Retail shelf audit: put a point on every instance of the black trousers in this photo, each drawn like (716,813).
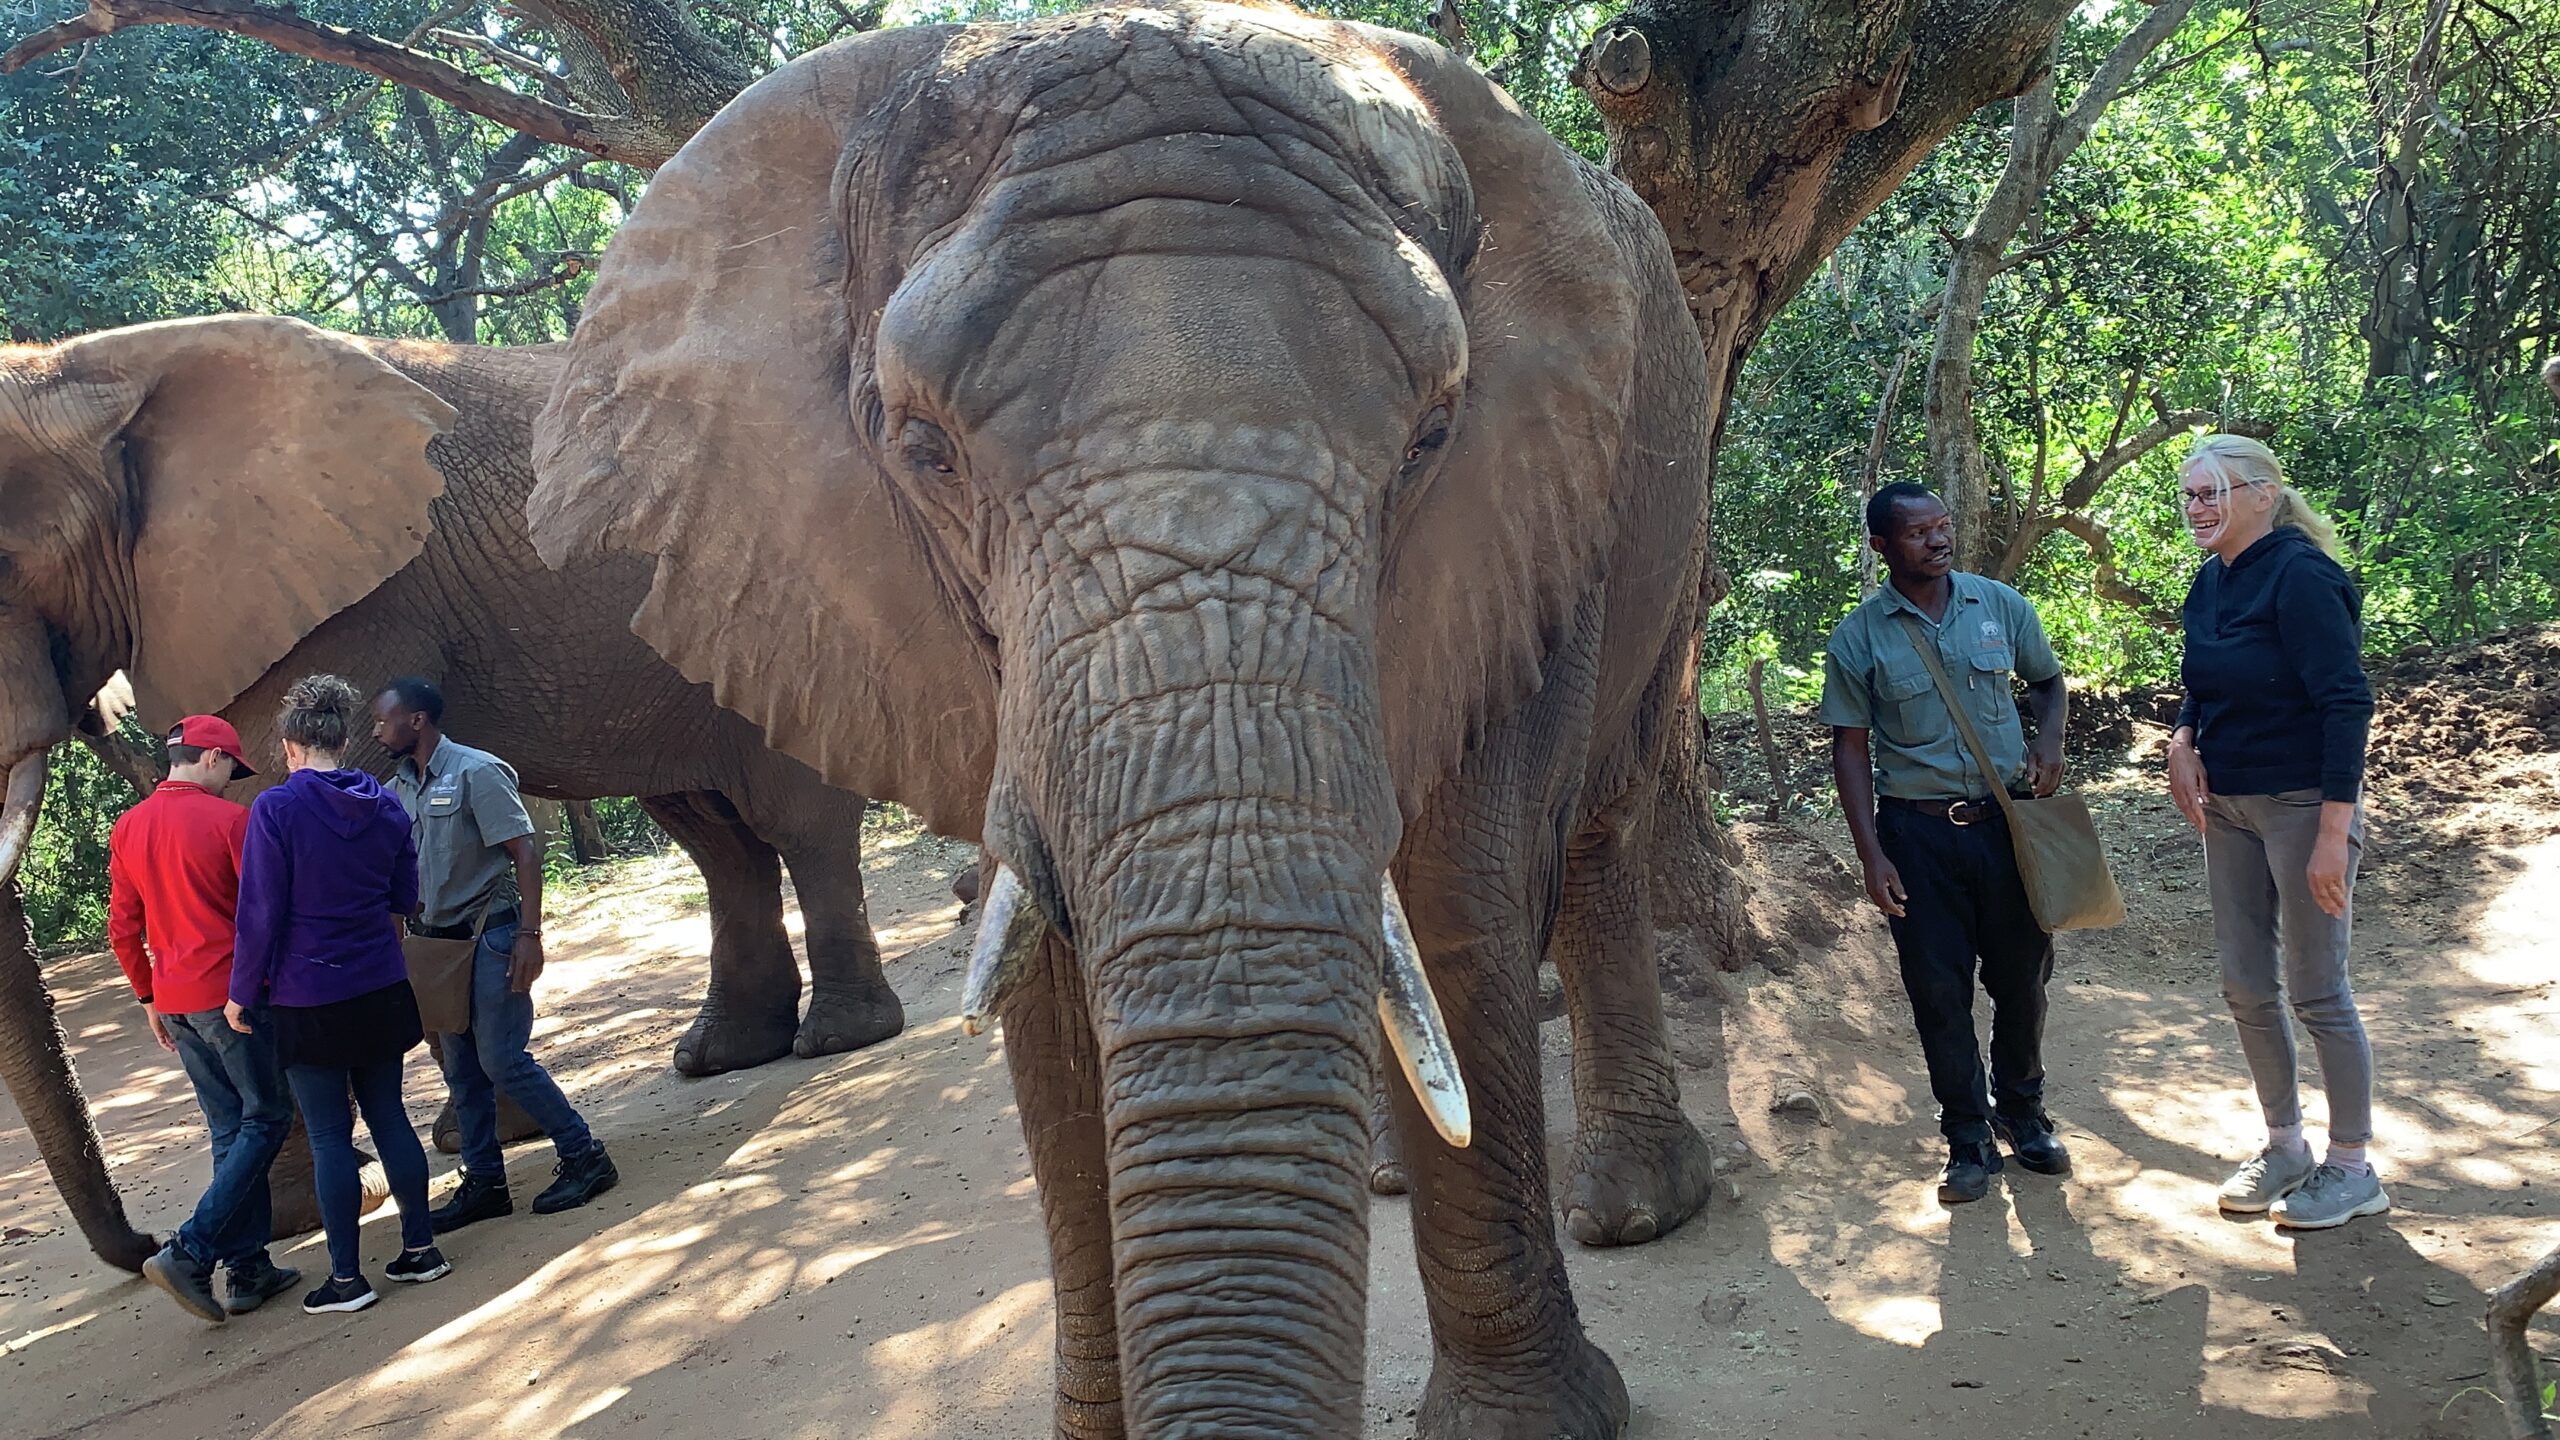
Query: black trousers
(1967,910)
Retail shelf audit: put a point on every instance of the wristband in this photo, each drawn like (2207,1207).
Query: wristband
(534,931)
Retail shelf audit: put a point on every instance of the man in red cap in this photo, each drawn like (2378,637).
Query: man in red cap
(173,872)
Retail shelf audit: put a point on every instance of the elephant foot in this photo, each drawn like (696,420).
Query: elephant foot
(1386,1159)
(840,1022)
(1627,1185)
(1387,1177)
(717,1044)
(1579,1396)
(513,1125)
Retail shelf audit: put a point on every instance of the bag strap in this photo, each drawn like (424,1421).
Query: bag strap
(1964,722)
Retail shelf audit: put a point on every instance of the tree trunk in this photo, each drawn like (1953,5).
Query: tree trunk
(586,832)
(1761,133)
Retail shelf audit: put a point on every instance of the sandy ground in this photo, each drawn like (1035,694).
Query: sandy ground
(851,1247)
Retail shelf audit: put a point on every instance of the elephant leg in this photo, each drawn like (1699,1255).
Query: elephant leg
(513,1123)
(752,1009)
(850,1002)
(36,1066)
(1049,1047)
(294,1198)
(1639,1167)
(1480,872)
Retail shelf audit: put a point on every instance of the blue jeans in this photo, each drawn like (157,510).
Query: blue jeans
(241,1090)
(494,1055)
(321,1091)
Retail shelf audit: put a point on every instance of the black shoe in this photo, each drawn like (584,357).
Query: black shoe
(2032,1140)
(1970,1167)
(340,1297)
(417,1267)
(482,1197)
(188,1282)
(246,1287)
(577,1182)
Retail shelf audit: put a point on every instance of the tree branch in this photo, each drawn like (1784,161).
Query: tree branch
(2511,1311)
(2109,585)
(631,140)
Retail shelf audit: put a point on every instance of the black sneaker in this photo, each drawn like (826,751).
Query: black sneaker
(1970,1166)
(246,1287)
(188,1282)
(577,1182)
(340,1297)
(2032,1140)
(481,1197)
(417,1267)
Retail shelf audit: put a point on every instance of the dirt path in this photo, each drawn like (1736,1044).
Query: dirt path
(850,1246)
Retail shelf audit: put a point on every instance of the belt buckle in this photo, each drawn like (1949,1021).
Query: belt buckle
(1961,812)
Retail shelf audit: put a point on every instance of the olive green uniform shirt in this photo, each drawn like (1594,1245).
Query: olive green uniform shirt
(464,808)
(1874,680)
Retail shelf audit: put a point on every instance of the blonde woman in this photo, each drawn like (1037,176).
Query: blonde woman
(2268,762)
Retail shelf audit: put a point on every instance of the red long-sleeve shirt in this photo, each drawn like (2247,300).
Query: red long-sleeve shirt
(173,883)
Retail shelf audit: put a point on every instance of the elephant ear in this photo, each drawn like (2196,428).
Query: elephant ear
(704,417)
(273,474)
(1515,531)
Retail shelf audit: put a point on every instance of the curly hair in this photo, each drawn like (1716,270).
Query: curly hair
(320,713)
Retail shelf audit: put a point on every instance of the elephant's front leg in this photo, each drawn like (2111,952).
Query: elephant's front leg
(1479,870)
(1639,1168)
(1048,1046)
(850,1002)
(752,1009)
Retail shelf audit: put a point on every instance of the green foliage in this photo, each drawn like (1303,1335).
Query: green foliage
(65,874)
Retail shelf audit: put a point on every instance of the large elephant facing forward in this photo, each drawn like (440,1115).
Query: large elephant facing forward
(1305,454)
(220,506)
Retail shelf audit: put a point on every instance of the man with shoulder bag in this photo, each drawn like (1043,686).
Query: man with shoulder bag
(1931,764)
(474,950)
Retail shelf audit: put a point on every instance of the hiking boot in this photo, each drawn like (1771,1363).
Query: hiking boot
(480,1197)
(2032,1140)
(417,1267)
(247,1286)
(2263,1179)
(1970,1166)
(578,1181)
(2330,1198)
(340,1297)
(188,1281)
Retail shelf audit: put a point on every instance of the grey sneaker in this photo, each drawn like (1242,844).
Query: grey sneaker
(2330,1198)
(188,1283)
(2268,1177)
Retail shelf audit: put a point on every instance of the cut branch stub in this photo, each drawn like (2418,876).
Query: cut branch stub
(1620,60)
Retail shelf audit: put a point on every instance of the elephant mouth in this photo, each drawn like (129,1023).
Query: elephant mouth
(1012,929)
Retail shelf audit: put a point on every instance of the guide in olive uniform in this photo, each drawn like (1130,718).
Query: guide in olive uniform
(480,873)
(1929,829)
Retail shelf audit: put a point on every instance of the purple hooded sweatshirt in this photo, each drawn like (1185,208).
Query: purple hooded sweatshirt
(328,862)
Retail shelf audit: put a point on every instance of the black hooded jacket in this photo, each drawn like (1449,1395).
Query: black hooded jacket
(2274,671)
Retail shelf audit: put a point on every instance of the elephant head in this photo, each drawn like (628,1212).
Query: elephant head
(1147,441)
(183,502)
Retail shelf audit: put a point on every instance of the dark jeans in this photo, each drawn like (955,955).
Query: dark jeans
(241,1090)
(321,1091)
(1967,910)
(494,1055)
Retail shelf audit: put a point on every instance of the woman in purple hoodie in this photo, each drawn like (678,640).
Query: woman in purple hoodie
(327,865)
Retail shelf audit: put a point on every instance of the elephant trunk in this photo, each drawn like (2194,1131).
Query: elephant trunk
(36,1066)
(1215,816)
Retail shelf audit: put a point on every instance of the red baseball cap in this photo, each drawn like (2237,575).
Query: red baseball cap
(211,732)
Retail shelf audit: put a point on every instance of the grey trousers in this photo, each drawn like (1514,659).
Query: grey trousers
(2278,945)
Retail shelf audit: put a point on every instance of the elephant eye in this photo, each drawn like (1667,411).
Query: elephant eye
(927,448)
(1430,435)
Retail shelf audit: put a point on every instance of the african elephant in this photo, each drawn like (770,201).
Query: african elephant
(219,506)
(1303,454)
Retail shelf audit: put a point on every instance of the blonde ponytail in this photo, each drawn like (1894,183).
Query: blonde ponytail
(2237,460)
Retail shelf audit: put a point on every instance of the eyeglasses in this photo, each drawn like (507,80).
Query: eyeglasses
(2210,499)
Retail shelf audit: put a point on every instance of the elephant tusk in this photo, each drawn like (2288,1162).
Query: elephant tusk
(1010,930)
(1416,1031)
(18,817)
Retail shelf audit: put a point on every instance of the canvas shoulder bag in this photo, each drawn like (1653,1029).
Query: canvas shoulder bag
(2068,884)
(440,973)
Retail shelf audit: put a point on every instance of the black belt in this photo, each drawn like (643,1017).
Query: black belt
(495,919)
(1954,812)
